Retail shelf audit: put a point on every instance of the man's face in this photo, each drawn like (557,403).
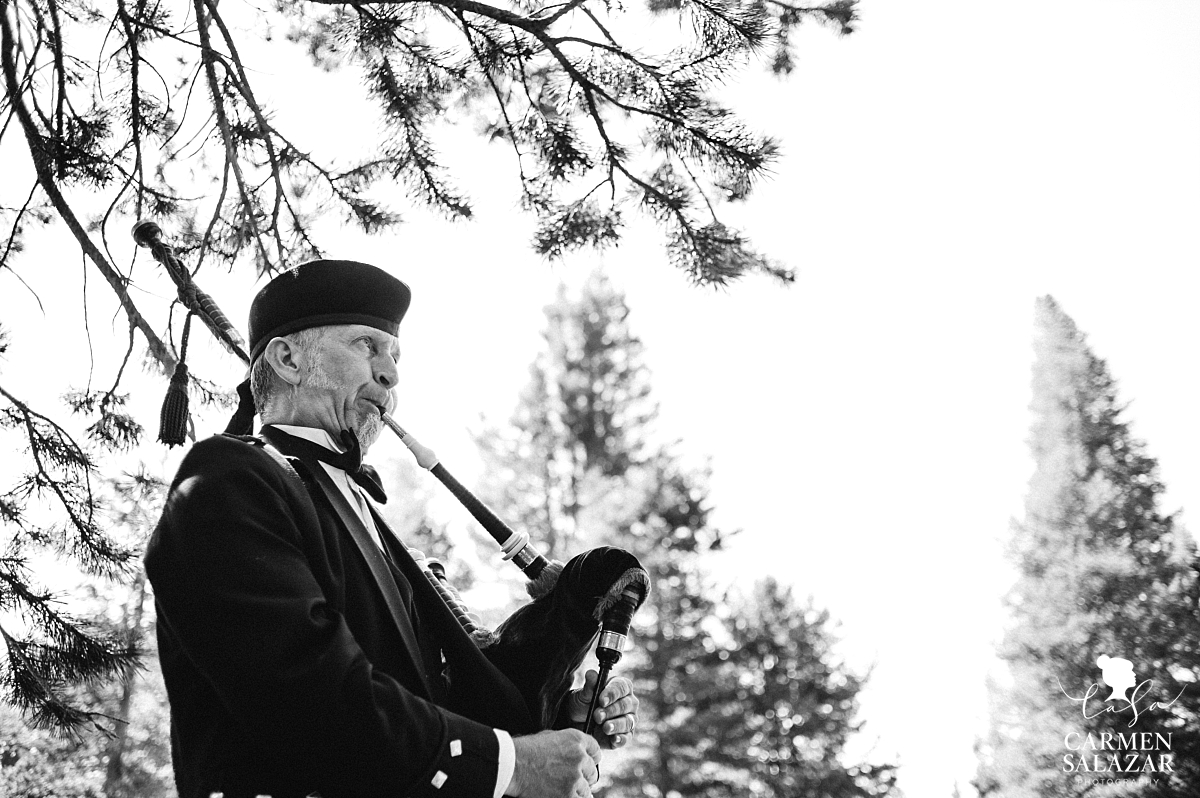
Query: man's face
(350,375)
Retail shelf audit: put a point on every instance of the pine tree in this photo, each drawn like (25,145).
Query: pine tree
(670,531)
(136,756)
(133,758)
(121,116)
(578,465)
(791,710)
(45,646)
(1101,571)
(579,426)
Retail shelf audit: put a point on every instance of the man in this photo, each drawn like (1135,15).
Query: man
(303,650)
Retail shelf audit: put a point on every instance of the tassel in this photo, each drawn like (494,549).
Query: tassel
(173,418)
(172,421)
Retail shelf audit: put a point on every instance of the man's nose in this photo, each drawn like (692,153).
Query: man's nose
(386,373)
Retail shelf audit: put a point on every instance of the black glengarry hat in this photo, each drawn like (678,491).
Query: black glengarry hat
(323,292)
(316,294)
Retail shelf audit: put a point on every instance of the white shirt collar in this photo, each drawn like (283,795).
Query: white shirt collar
(314,434)
(353,495)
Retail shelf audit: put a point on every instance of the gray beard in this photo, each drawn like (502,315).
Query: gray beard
(368,431)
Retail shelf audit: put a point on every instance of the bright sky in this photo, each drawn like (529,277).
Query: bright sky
(943,167)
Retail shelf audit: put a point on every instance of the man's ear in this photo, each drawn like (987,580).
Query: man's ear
(285,358)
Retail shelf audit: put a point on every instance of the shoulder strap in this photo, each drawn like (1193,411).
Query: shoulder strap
(285,462)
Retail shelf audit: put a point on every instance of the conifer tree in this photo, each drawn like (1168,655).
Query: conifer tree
(45,646)
(1102,571)
(133,757)
(580,424)
(578,466)
(136,100)
(776,694)
(670,531)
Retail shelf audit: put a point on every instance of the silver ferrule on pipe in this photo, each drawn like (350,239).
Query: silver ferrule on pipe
(524,557)
(614,641)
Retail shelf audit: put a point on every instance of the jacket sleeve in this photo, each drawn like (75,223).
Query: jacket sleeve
(247,613)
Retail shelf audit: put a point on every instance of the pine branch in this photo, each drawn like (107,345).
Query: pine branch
(56,44)
(13,243)
(710,137)
(566,8)
(842,14)
(135,127)
(41,162)
(243,86)
(34,676)
(247,204)
(501,104)
(470,6)
(51,446)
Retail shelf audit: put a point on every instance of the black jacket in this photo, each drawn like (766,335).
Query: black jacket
(298,658)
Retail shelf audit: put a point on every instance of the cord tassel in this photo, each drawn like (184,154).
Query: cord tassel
(173,418)
(172,421)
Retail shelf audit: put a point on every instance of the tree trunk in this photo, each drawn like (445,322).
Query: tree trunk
(115,770)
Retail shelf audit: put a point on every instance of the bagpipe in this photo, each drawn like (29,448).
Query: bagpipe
(594,595)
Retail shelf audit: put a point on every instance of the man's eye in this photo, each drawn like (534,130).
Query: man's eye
(371,346)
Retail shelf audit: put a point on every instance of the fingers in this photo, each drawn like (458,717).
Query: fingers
(616,700)
(626,706)
(617,696)
(590,767)
(623,724)
(555,764)
(615,717)
(591,748)
(589,687)
(581,699)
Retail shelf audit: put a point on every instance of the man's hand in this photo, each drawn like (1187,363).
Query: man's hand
(616,713)
(555,764)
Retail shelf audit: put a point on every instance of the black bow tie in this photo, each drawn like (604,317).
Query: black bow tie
(349,461)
